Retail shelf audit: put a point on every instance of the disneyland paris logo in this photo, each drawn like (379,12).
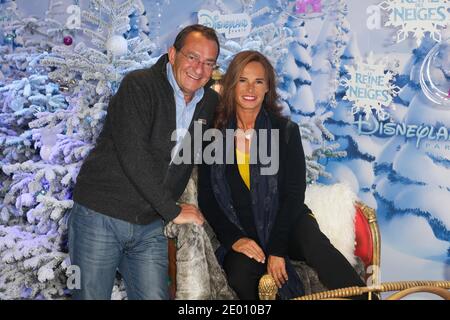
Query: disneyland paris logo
(231,25)
(409,131)
(411,16)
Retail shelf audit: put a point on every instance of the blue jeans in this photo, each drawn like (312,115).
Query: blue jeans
(100,245)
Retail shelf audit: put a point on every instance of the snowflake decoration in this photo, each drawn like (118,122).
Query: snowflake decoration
(370,87)
(417,17)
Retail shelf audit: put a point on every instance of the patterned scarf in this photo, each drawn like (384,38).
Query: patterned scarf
(264,199)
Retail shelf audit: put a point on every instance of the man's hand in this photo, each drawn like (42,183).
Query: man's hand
(189,214)
(250,248)
(276,267)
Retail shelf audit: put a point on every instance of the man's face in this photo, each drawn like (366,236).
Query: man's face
(193,64)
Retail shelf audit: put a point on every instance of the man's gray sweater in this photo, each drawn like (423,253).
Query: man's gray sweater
(127,175)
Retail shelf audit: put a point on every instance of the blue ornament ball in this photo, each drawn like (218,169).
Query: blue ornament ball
(9,39)
(45,184)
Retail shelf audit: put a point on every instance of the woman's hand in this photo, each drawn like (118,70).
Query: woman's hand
(250,248)
(276,267)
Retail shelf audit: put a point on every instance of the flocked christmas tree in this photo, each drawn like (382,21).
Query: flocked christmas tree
(27,38)
(413,176)
(27,249)
(33,249)
(25,88)
(24,91)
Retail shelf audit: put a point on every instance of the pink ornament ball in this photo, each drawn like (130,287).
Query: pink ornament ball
(68,40)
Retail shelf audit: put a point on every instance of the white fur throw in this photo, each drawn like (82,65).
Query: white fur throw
(199,275)
(334,209)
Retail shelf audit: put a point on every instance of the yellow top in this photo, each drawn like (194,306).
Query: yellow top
(243,162)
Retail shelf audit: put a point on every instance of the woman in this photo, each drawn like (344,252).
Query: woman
(261,220)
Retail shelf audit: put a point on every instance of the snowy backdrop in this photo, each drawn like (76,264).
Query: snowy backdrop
(371,100)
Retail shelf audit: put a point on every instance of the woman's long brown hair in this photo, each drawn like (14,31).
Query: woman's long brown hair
(226,109)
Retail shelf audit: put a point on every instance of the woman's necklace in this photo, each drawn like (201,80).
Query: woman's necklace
(247,135)
(247,132)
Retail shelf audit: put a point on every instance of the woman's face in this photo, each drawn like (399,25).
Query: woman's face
(251,87)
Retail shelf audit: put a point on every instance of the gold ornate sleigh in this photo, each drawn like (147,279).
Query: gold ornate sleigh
(268,289)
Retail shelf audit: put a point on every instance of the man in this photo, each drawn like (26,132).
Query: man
(127,188)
